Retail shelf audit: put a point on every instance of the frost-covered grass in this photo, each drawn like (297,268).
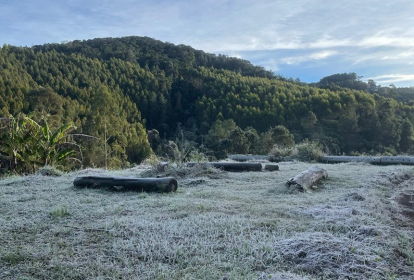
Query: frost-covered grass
(236,226)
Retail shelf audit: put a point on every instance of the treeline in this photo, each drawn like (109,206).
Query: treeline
(353,81)
(117,89)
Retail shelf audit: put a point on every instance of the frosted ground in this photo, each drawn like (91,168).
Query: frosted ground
(231,226)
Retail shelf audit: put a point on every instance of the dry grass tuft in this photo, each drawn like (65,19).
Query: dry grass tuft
(49,171)
(329,257)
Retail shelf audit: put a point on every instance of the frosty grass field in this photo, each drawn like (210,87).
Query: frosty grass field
(226,226)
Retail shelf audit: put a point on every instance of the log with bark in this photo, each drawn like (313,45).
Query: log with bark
(167,184)
(384,160)
(308,179)
(271,167)
(232,166)
(344,159)
(248,157)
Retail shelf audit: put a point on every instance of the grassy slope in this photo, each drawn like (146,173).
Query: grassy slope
(242,226)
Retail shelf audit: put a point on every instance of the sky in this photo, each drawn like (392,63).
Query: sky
(305,39)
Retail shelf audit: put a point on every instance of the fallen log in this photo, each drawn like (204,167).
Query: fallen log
(167,184)
(307,180)
(406,160)
(248,157)
(232,166)
(271,167)
(344,159)
(384,160)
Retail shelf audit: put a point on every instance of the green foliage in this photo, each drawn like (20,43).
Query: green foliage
(253,139)
(346,80)
(282,136)
(197,156)
(278,135)
(52,147)
(279,153)
(152,160)
(217,138)
(26,145)
(59,212)
(239,143)
(309,151)
(115,89)
(18,143)
(407,136)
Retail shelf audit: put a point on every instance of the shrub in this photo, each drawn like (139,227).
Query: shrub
(152,160)
(282,152)
(305,151)
(197,156)
(309,151)
(49,171)
(27,145)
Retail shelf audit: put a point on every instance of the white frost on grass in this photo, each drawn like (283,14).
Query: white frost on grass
(237,226)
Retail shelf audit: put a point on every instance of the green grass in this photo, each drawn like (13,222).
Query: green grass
(14,258)
(59,212)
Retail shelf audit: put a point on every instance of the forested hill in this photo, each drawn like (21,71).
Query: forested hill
(134,84)
(152,53)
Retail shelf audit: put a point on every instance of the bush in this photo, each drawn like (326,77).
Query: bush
(197,156)
(152,160)
(281,151)
(306,151)
(309,151)
(279,135)
(49,171)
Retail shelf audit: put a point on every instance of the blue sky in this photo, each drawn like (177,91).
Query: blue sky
(306,39)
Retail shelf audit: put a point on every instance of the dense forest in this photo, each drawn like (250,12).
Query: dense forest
(119,91)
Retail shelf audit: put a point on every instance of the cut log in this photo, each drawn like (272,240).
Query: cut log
(307,180)
(407,160)
(271,167)
(344,159)
(248,157)
(385,160)
(167,184)
(232,166)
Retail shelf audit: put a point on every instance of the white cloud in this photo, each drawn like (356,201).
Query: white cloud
(270,64)
(402,55)
(393,78)
(403,42)
(312,56)
(237,55)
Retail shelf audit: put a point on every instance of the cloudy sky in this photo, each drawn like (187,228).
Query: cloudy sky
(306,39)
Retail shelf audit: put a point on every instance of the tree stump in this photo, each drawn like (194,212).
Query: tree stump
(307,180)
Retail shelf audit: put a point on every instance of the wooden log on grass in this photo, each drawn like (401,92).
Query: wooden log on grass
(271,167)
(248,157)
(345,159)
(232,166)
(308,179)
(167,184)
